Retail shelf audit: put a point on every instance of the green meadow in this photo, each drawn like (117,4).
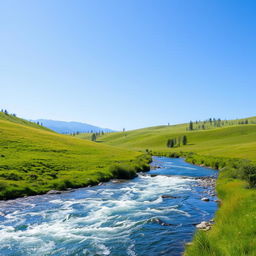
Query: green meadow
(232,150)
(228,141)
(34,160)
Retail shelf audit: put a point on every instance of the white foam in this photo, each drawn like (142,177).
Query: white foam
(107,215)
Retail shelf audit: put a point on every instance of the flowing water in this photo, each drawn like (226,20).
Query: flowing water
(153,214)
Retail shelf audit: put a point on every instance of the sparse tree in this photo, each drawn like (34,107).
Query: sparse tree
(170,143)
(184,140)
(94,137)
(191,128)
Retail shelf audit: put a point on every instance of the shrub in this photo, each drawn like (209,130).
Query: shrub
(249,173)
(123,171)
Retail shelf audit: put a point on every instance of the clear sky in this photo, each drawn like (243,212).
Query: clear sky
(131,64)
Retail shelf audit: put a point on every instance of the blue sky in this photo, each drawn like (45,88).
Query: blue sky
(127,63)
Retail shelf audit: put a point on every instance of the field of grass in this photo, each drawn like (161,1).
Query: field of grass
(232,150)
(34,160)
(231,141)
(234,231)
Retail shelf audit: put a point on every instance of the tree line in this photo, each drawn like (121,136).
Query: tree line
(7,113)
(215,122)
(177,142)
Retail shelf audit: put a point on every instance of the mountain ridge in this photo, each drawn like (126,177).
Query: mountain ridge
(67,127)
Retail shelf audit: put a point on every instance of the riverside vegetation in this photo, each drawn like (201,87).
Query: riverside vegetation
(230,148)
(34,160)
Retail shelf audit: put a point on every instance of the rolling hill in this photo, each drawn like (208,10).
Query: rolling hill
(34,160)
(231,148)
(237,140)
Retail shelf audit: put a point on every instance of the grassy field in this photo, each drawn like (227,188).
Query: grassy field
(232,150)
(34,160)
(231,141)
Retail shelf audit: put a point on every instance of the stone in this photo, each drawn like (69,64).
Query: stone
(204,226)
(168,196)
(205,199)
(53,192)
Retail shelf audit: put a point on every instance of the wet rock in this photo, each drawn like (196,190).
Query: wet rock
(118,181)
(169,196)
(160,222)
(153,167)
(53,192)
(204,225)
(206,199)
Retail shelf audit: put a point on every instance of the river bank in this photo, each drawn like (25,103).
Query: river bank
(162,206)
(233,232)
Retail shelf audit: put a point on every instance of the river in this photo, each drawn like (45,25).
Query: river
(153,214)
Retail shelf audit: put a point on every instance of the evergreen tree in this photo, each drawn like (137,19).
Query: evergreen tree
(191,128)
(170,143)
(94,137)
(184,140)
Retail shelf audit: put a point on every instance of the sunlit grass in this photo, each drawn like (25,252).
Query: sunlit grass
(34,160)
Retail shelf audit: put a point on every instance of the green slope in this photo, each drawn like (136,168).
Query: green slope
(17,120)
(34,160)
(231,141)
(227,148)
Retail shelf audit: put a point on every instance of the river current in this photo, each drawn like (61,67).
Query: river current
(153,214)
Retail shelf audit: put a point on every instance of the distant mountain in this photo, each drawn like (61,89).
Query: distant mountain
(70,127)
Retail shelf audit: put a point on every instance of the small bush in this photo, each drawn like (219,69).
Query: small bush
(249,174)
(123,171)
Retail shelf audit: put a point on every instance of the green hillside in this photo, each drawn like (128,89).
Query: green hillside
(34,159)
(231,148)
(229,141)
(13,118)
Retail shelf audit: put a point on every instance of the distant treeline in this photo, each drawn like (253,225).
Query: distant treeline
(7,113)
(94,134)
(177,142)
(216,122)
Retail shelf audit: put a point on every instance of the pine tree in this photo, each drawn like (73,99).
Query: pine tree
(170,143)
(191,128)
(184,140)
(94,137)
